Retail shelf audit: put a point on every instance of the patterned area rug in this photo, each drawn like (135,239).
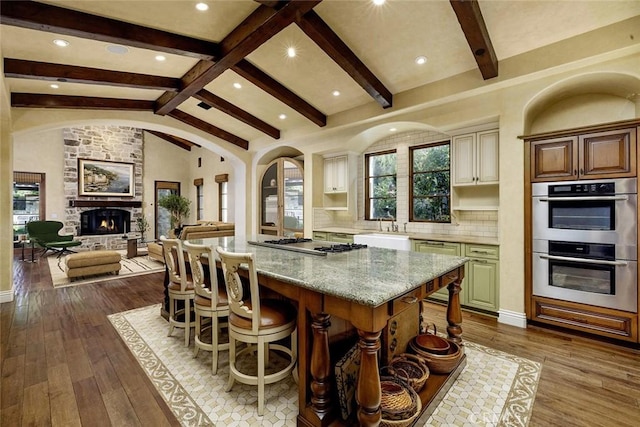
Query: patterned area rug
(129,267)
(495,388)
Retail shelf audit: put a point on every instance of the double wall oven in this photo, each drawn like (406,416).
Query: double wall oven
(585,242)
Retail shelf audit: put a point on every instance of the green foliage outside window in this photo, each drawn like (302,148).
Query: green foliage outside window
(381,181)
(431,183)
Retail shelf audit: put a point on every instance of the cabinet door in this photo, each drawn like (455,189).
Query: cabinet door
(604,154)
(482,284)
(340,237)
(487,147)
(329,175)
(341,174)
(554,160)
(463,159)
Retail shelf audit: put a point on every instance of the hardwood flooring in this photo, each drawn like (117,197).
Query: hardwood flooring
(63,364)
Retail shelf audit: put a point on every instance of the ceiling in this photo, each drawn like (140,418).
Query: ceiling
(364,51)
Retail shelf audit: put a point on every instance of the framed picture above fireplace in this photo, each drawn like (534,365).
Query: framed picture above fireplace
(105,178)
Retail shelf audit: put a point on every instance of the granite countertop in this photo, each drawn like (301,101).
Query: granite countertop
(371,276)
(455,238)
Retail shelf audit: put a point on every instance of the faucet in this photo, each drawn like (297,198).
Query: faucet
(394,225)
(380,224)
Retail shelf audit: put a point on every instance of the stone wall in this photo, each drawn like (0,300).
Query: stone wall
(109,143)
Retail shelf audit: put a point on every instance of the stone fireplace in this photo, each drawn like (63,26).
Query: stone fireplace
(104,221)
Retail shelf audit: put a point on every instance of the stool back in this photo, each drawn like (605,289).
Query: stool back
(204,274)
(174,260)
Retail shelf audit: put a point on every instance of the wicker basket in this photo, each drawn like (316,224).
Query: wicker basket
(411,368)
(400,404)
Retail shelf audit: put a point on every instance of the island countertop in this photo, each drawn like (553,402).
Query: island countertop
(370,277)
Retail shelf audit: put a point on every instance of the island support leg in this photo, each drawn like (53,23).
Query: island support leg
(368,390)
(320,365)
(454,313)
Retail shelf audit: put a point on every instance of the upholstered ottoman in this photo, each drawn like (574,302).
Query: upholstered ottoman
(92,262)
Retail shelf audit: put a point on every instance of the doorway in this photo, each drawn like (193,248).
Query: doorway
(162,215)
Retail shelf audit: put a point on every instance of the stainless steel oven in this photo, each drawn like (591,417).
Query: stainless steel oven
(587,273)
(585,237)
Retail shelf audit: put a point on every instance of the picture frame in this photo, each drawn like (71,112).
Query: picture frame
(105,178)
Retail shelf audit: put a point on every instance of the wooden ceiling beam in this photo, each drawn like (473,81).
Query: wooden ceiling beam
(236,112)
(44,17)
(209,128)
(318,31)
(175,140)
(265,82)
(475,31)
(36,100)
(21,69)
(255,30)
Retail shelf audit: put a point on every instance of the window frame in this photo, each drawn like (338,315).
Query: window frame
(367,196)
(199,184)
(223,196)
(412,174)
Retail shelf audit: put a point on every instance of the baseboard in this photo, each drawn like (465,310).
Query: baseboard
(6,296)
(512,318)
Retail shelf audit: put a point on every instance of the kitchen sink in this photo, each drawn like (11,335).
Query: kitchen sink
(381,240)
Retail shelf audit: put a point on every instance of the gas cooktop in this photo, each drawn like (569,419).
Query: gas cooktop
(307,246)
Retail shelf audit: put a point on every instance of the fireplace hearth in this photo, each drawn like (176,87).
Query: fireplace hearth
(104,221)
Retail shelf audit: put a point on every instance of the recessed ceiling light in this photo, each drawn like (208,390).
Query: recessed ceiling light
(202,7)
(393,130)
(204,105)
(117,49)
(61,43)
(378,2)
(54,86)
(421,60)
(291,52)
(237,85)
(160,58)
(282,116)
(336,93)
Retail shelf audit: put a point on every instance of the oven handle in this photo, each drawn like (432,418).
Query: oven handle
(583,198)
(583,260)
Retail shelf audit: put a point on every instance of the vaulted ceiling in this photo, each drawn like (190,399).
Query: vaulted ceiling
(364,51)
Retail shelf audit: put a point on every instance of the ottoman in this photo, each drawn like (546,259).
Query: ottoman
(92,262)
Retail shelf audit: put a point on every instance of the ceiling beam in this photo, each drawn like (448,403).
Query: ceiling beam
(21,69)
(236,112)
(44,17)
(475,31)
(36,100)
(255,30)
(265,82)
(318,31)
(175,140)
(209,128)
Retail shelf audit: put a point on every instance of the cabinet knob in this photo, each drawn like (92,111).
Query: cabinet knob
(581,171)
(575,172)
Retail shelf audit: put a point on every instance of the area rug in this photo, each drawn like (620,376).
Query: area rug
(129,267)
(494,389)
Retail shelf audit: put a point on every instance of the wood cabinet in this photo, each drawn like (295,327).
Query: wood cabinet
(475,158)
(282,198)
(480,287)
(605,154)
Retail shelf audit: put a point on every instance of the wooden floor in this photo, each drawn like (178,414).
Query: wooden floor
(63,364)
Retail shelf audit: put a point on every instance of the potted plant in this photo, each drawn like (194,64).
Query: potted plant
(143,226)
(179,208)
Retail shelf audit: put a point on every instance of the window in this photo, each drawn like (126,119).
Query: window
(380,185)
(223,211)
(163,217)
(430,183)
(199,198)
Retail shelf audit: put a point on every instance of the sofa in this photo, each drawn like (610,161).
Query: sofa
(202,230)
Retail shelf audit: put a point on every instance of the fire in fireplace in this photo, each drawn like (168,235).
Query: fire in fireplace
(104,221)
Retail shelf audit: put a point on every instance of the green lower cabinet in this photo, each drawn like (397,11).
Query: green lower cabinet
(340,237)
(319,235)
(481,282)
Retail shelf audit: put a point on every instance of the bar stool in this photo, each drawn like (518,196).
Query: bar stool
(180,286)
(209,302)
(256,322)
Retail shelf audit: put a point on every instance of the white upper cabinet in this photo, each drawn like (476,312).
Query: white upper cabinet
(336,174)
(475,158)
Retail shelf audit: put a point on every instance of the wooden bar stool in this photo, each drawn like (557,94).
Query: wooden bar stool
(210,302)
(259,323)
(180,286)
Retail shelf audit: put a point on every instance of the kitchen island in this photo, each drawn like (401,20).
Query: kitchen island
(367,287)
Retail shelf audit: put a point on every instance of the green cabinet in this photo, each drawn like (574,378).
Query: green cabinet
(333,237)
(481,283)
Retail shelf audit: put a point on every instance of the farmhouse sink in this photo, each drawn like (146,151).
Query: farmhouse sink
(380,240)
